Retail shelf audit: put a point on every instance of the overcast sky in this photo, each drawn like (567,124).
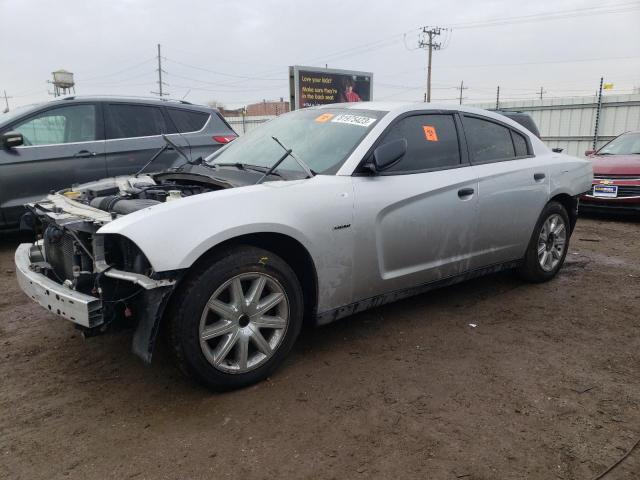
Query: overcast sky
(237,52)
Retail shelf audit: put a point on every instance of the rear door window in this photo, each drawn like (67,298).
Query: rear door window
(129,121)
(432,142)
(188,120)
(69,124)
(488,141)
(520,143)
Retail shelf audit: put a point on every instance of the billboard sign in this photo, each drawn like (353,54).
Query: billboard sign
(310,86)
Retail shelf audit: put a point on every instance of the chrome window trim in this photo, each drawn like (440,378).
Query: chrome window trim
(59,144)
(93,141)
(134,138)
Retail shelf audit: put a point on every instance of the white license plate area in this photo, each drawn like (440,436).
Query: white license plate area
(607,191)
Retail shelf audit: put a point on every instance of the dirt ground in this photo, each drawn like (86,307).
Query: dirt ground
(546,386)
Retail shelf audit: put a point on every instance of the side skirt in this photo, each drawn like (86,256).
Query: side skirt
(372,302)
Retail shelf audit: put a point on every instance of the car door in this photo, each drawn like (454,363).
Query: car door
(63,145)
(415,222)
(513,188)
(133,133)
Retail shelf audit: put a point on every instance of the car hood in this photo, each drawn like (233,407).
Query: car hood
(97,201)
(616,164)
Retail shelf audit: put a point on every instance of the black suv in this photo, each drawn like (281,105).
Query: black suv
(78,139)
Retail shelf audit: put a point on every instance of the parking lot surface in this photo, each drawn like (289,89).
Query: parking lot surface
(545,385)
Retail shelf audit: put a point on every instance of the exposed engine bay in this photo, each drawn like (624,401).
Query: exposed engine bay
(69,251)
(124,195)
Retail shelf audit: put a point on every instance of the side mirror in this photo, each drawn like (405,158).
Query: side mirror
(589,153)
(386,155)
(11,139)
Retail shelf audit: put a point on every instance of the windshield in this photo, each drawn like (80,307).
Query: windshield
(625,144)
(321,138)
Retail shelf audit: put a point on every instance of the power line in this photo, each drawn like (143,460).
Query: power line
(215,72)
(560,14)
(126,79)
(133,67)
(215,84)
(395,38)
(217,90)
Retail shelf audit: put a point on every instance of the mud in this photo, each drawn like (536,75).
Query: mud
(545,386)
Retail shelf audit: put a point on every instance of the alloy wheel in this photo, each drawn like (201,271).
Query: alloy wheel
(552,242)
(244,322)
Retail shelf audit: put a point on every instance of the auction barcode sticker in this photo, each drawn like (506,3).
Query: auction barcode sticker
(359,120)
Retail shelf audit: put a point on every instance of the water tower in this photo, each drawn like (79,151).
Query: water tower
(62,83)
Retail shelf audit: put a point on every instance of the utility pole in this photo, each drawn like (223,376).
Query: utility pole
(498,98)
(426,41)
(160,72)
(461,88)
(6,101)
(542,90)
(598,112)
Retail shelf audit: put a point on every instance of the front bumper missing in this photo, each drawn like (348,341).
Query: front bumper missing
(76,307)
(88,311)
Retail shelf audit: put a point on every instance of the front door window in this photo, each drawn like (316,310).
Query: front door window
(75,123)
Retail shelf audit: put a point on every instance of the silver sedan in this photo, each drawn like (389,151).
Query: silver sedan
(318,214)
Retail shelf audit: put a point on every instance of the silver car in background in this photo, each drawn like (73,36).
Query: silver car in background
(318,214)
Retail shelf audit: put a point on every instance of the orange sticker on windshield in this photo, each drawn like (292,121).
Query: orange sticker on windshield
(325,117)
(430,133)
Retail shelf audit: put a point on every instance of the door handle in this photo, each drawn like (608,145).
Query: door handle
(465,192)
(85,154)
(538,176)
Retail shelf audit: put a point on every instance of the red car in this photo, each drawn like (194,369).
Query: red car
(616,175)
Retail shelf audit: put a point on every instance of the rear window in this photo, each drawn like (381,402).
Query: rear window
(127,121)
(520,143)
(188,120)
(488,141)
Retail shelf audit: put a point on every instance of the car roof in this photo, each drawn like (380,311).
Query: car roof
(398,108)
(125,99)
(30,109)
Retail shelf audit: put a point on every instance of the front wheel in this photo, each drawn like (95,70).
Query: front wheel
(235,319)
(548,245)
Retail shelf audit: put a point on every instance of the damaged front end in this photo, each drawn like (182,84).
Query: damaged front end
(100,282)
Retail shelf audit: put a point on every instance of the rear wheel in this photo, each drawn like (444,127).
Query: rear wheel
(236,319)
(548,245)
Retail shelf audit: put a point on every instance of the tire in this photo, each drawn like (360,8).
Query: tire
(235,318)
(541,266)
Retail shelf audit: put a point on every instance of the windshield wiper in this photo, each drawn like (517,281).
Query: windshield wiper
(246,166)
(168,145)
(287,153)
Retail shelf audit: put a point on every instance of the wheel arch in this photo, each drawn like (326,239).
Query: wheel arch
(286,247)
(570,203)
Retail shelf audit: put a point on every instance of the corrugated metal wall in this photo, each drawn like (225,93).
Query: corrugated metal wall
(569,123)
